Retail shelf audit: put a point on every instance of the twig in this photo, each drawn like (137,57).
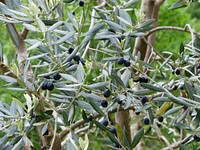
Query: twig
(54,133)
(169,28)
(157,53)
(176,145)
(163,138)
(24,33)
(82,130)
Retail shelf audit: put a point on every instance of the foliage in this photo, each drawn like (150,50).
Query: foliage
(77,65)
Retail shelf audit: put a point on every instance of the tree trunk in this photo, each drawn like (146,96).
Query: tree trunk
(151,10)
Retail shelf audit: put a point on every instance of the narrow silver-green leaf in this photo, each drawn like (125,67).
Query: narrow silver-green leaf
(64,38)
(13,34)
(42,5)
(97,85)
(173,110)
(114,25)
(130,3)
(37,56)
(124,21)
(56,25)
(71,113)
(80,73)
(69,77)
(41,25)
(94,29)
(36,45)
(97,108)
(106,36)
(127,141)
(182,117)
(152,87)
(190,90)
(179,4)
(8,79)
(19,103)
(30,27)
(17,89)
(68,89)
(99,125)
(91,96)
(137,137)
(143,92)
(73,20)
(146,23)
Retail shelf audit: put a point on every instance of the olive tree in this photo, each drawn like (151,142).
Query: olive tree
(88,71)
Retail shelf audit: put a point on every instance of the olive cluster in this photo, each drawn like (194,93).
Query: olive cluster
(122,61)
(48,85)
(77,58)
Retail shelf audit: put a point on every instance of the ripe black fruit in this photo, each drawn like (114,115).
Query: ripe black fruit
(70,50)
(111,30)
(120,38)
(198,66)
(107,93)
(90,117)
(175,87)
(77,58)
(56,76)
(137,113)
(127,63)
(104,122)
(113,130)
(81,3)
(196,138)
(146,121)
(177,72)
(73,13)
(47,77)
(44,85)
(144,80)
(185,107)
(119,101)
(50,86)
(104,103)
(160,118)
(181,87)
(120,61)
(144,99)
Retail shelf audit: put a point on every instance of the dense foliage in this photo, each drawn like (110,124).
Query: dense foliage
(79,71)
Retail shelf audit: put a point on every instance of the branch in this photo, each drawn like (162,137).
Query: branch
(163,138)
(169,28)
(81,122)
(176,145)
(24,33)
(152,37)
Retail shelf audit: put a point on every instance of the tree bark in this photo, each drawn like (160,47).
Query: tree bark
(140,45)
(151,10)
(152,37)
